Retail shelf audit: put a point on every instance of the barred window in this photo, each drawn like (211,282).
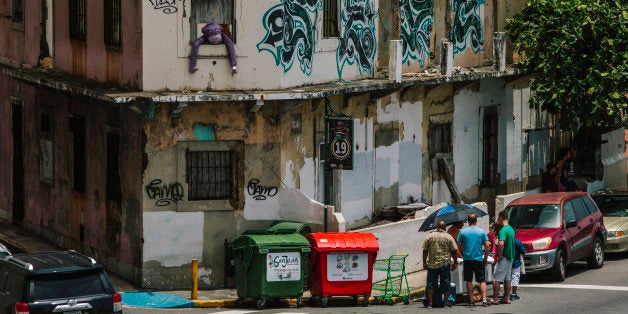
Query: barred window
(113,23)
(78,20)
(209,174)
(330,18)
(17,11)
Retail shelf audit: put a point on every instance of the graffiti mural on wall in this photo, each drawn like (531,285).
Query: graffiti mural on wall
(260,192)
(165,194)
(416,27)
(167,6)
(290,28)
(358,41)
(467,28)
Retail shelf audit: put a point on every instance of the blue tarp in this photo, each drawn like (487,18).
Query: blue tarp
(155,300)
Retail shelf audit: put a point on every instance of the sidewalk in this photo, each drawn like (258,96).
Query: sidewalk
(22,240)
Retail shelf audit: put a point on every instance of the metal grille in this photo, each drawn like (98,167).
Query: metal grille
(17,11)
(78,22)
(209,174)
(489,162)
(330,18)
(439,139)
(113,17)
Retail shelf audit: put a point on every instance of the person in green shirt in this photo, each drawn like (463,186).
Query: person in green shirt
(503,261)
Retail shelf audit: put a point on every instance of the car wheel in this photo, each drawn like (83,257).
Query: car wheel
(596,259)
(559,271)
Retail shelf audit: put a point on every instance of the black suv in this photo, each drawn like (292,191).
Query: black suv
(56,282)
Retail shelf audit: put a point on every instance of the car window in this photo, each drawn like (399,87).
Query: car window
(579,208)
(569,213)
(592,208)
(534,216)
(68,285)
(16,286)
(612,205)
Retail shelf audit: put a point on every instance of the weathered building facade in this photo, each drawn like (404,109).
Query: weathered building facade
(118,150)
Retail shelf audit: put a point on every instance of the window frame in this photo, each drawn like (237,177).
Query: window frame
(17,9)
(112,23)
(490,147)
(46,145)
(195,27)
(77,27)
(236,200)
(331,26)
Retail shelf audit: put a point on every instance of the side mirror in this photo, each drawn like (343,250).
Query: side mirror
(571,224)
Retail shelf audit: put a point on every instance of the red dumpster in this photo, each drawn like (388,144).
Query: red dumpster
(341,264)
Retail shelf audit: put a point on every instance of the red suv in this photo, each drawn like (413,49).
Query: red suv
(558,229)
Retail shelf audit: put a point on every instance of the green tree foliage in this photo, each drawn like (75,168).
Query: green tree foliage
(577,51)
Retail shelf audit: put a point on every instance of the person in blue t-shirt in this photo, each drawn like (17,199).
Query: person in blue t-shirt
(475,246)
(520,250)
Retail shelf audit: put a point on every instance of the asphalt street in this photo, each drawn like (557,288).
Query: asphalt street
(584,291)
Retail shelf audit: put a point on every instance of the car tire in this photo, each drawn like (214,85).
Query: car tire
(596,259)
(559,271)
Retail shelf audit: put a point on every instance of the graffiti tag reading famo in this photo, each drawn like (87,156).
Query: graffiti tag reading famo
(290,28)
(260,192)
(358,42)
(468,27)
(416,28)
(167,6)
(165,194)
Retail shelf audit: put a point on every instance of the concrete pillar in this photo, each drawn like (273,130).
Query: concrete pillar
(394,63)
(499,51)
(446,58)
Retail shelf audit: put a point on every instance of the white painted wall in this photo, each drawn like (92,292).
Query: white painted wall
(173,238)
(165,48)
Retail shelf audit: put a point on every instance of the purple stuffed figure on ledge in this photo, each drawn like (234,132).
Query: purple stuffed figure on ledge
(212,33)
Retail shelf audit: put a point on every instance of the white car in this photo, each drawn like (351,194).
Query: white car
(4,251)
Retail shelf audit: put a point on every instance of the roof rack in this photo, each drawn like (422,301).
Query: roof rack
(14,260)
(83,256)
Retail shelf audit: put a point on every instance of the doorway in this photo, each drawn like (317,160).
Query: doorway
(18,162)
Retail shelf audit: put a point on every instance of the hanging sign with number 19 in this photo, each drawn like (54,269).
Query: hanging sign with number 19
(340,142)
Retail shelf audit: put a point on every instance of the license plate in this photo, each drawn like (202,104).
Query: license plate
(73,312)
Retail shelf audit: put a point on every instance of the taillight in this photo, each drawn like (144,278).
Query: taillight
(21,308)
(117,302)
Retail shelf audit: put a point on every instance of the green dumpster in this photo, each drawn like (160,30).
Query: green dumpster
(270,264)
(297,227)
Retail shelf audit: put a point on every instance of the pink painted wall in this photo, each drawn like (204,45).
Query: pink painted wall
(95,51)
(17,44)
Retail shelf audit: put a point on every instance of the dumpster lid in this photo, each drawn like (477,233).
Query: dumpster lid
(271,240)
(334,241)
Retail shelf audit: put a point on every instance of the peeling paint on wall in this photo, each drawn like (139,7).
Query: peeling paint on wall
(204,132)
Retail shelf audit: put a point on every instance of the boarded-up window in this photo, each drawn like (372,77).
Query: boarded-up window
(46,144)
(17,11)
(113,22)
(77,162)
(78,20)
(205,11)
(114,192)
(489,151)
(439,139)
(330,18)
(209,174)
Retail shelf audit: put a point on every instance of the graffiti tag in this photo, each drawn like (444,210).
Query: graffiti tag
(358,42)
(416,28)
(468,26)
(164,194)
(290,28)
(260,192)
(167,6)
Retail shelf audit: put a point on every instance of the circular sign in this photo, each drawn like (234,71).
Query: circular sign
(340,148)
